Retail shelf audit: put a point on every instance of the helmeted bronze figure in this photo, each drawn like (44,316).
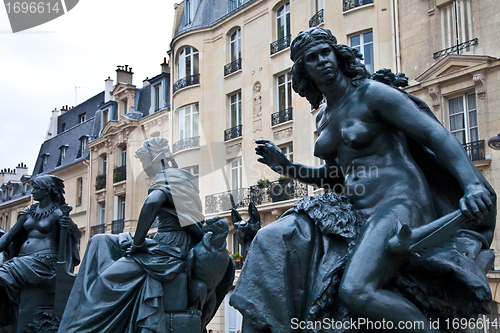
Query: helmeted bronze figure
(28,277)
(133,283)
(379,251)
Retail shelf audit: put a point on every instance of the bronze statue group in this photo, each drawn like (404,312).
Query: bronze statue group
(412,246)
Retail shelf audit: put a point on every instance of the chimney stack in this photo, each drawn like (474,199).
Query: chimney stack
(124,74)
(108,88)
(164,66)
(145,82)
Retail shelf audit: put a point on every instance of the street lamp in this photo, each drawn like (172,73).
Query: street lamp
(494,142)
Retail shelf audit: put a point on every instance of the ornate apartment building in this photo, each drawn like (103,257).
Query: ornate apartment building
(15,194)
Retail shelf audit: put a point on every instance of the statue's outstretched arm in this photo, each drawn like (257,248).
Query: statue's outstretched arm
(276,160)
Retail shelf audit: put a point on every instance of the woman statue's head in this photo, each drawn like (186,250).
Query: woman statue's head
(151,154)
(52,184)
(348,59)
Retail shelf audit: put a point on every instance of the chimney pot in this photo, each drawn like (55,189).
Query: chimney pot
(126,68)
(164,60)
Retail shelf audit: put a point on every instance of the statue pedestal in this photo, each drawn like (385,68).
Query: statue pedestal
(32,300)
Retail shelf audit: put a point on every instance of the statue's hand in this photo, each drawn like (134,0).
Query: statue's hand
(66,222)
(476,202)
(271,155)
(137,249)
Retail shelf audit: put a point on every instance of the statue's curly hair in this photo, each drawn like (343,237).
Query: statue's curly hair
(348,59)
(156,149)
(54,184)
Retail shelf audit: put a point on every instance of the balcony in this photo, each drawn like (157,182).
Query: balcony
(475,150)
(280,44)
(232,133)
(97,229)
(456,48)
(186,82)
(281,116)
(183,144)
(350,4)
(232,67)
(276,191)
(316,20)
(120,174)
(117,226)
(226,200)
(100,182)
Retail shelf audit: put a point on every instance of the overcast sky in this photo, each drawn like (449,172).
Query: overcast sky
(40,67)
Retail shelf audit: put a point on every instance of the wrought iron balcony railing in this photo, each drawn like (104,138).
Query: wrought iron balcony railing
(226,200)
(120,174)
(232,67)
(280,44)
(281,116)
(186,144)
(276,191)
(232,133)
(475,150)
(186,82)
(456,48)
(316,20)
(350,4)
(97,229)
(100,182)
(117,226)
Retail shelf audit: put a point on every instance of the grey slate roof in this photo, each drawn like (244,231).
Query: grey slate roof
(70,138)
(89,107)
(209,12)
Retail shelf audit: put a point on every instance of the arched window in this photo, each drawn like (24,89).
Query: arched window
(235,45)
(188,62)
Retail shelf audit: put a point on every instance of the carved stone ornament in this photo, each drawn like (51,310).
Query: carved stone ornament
(432,7)
(257,125)
(435,93)
(233,149)
(283,134)
(479,83)
(257,100)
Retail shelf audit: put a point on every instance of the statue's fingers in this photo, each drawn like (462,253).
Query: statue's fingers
(473,207)
(482,206)
(465,209)
(487,201)
(261,141)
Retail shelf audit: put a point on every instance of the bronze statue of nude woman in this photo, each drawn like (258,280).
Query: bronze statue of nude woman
(386,141)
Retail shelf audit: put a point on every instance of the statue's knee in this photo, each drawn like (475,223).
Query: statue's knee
(352,295)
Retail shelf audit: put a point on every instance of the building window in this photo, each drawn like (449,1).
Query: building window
(81,118)
(63,127)
(104,118)
(62,155)
(120,207)
(122,156)
(101,211)
(79,191)
(188,121)
(195,171)
(188,62)
(102,164)
(364,44)
(283,21)
(235,110)
(350,4)
(190,10)
(284,92)
(123,107)
(236,174)
(43,166)
(456,15)
(236,244)
(156,97)
(11,192)
(288,151)
(83,146)
(235,45)
(463,118)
